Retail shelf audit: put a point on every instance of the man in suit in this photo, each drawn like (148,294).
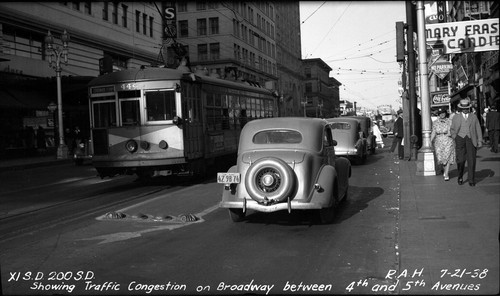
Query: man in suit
(493,126)
(398,135)
(466,131)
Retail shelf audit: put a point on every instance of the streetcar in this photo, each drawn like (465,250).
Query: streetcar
(161,121)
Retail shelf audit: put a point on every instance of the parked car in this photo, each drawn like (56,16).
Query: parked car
(350,142)
(366,125)
(286,164)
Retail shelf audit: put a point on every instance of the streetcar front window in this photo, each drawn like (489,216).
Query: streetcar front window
(104,114)
(160,105)
(130,112)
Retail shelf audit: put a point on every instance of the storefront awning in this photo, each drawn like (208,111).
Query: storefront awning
(461,92)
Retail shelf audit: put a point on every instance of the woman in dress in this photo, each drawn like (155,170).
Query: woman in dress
(378,135)
(444,145)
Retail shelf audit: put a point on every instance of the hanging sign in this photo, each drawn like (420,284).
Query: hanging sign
(440,99)
(460,37)
(441,68)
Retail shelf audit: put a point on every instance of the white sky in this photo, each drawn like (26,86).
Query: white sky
(357,39)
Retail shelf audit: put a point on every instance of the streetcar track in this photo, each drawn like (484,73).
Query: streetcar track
(64,182)
(18,231)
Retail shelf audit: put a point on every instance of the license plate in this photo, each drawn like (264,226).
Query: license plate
(228,178)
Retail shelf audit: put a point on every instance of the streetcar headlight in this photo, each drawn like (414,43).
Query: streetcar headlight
(131,146)
(163,144)
(145,145)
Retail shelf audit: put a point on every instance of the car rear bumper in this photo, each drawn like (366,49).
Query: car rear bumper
(253,205)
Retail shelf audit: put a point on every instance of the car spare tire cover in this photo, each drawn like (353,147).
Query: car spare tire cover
(269,178)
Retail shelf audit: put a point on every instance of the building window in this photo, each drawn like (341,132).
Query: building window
(182,6)
(124,16)
(214,51)
(76,5)
(214,25)
(137,21)
(183,29)
(212,5)
(308,87)
(250,15)
(144,23)
(202,52)
(88,8)
(201,25)
(307,72)
(151,22)
(22,43)
(105,11)
(201,5)
(114,14)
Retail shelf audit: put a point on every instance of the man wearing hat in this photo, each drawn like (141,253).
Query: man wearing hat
(466,131)
(398,135)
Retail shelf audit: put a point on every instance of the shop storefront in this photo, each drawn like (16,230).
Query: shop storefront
(27,120)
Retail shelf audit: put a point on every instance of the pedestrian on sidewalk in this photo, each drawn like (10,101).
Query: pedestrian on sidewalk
(444,146)
(378,135)
(493,128)
(398,135)
(466,131)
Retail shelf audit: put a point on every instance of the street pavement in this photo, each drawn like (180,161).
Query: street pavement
(448,234)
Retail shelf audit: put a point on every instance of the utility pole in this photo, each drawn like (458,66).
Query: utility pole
(425,157)
(414,116)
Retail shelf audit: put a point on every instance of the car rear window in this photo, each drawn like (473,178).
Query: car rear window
(340,125)
(277,137)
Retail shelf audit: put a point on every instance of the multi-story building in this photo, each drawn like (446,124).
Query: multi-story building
(237,39)
(321,92)
(126,34)
(288,56)
(474,74)
(230,39)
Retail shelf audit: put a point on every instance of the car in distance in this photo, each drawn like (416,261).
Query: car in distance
(286,164)
(350,142)
(366,125)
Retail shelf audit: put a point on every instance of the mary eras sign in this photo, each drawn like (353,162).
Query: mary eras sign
(468,36)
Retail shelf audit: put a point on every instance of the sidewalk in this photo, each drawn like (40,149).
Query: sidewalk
(450,231)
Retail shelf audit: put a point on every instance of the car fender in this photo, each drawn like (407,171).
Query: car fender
(327,180)
(230,195)
(343,167)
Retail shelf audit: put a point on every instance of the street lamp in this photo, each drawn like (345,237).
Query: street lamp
(55,53)
(304,103)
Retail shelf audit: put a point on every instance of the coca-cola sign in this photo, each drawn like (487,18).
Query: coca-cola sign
(441,98)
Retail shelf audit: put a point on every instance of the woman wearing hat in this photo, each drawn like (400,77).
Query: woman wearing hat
(444,146)
(466,131)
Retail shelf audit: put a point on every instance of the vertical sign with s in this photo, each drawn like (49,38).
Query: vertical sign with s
(169,20)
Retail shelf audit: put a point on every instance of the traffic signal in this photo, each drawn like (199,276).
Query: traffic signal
(105,65)
(400,41)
